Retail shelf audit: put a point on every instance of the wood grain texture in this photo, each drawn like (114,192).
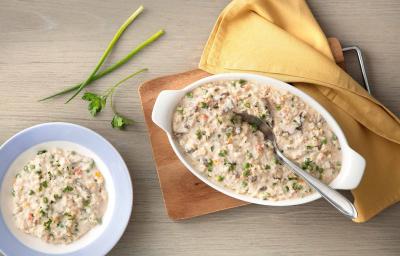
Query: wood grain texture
(47,45)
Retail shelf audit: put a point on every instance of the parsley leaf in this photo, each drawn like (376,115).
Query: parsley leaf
(120,122)
(96,102)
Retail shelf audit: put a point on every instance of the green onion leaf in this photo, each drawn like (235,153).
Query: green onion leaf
(108,50)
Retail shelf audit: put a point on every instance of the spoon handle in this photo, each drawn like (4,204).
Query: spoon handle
(332,196)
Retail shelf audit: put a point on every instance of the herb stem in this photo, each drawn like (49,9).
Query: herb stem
(119,121)
(108,50)
(110,91)
(112,67)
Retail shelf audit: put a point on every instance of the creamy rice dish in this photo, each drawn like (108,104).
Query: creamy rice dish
(58,196)
(235,154)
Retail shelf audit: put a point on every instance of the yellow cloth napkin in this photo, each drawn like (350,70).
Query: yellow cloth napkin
(282,39)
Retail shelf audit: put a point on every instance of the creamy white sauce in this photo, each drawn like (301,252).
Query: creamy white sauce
(58,196)
(88,233)
(235,155)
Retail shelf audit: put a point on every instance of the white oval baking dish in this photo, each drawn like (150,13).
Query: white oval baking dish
(353,164)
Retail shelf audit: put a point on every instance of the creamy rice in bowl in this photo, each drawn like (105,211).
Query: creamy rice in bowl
(233,157)
(59,192)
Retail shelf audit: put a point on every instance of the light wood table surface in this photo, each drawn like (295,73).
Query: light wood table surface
(47,45)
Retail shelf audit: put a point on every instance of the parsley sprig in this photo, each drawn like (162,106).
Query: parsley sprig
(98,102)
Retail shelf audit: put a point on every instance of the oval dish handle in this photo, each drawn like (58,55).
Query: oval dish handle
(352,172)
(164,107)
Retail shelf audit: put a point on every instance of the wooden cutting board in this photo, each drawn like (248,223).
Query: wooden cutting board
(185,196)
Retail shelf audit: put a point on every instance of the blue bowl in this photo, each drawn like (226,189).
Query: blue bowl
(117,179)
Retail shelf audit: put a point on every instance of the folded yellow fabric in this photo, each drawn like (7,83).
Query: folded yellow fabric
(282,39)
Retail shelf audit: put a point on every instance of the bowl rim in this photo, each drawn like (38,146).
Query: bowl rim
(112,233)
(276,84)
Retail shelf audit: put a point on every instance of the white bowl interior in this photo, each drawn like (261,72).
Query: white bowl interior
(34,242)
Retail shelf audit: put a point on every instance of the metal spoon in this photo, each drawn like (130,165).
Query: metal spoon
(332,196)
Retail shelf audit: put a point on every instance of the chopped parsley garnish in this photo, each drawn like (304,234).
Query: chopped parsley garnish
(324,141)
(278,107)
(179,110)
(209,165)
(246,166)
(235,119)
(231,166)
(249,154)
(267,167)
(222,153)
(254,127)
(246,173)
(203,105)
(45,200)
(47,224)
(199,134)
(242,82)
(220,178)
(296,186)
(41,152)
(86,202)
(306,164)
(44,184)
(189,94)
(247,104)
(309,165)
(212,148)
(68,189)
(31,192)
(246,169)
(42,212)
